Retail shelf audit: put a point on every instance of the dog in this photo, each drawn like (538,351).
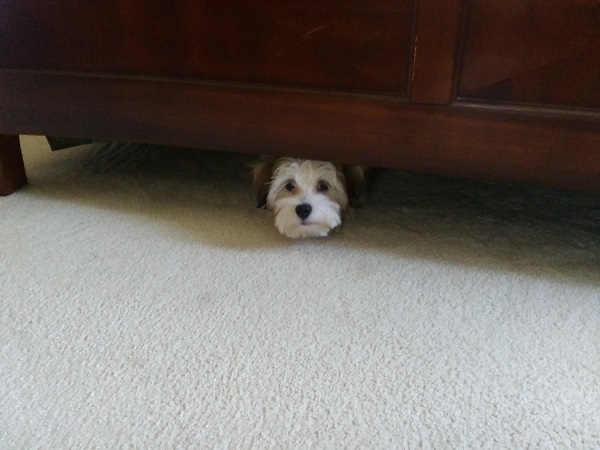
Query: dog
(309,198)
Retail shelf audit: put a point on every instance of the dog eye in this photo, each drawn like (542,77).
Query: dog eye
(322,186)
(290,186)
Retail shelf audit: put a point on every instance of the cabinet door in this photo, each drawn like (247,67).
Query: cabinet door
(536,52)
(334,44)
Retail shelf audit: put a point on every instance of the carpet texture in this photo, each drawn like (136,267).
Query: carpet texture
(146,303)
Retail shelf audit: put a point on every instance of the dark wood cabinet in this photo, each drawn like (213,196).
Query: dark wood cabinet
(537,52)
(337,44)
(502,90)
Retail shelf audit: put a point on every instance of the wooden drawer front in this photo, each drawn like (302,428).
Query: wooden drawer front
(337,44)
(533,51)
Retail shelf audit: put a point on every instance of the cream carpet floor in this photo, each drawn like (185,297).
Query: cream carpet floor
(146,303)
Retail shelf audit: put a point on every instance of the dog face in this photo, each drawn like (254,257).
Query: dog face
(307,197)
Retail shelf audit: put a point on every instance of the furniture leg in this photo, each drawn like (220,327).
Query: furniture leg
(12,169)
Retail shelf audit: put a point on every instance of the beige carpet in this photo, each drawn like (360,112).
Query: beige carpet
(146,303)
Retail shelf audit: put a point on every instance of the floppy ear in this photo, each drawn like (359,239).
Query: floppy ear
(354,177)
(262,173)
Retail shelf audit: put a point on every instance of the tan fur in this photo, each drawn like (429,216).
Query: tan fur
(262,173)
(354,177)
(283,184)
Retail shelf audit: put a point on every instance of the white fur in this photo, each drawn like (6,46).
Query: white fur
(327,206)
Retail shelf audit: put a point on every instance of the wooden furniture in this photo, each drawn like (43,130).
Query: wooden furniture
(504,90)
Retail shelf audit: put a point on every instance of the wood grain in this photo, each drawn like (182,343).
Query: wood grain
(435,51)
(464,140)
(336,44)
(533,52)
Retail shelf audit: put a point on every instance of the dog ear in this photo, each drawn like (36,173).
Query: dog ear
(262,174)
(354,177)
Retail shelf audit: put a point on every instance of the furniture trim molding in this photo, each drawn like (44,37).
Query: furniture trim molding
(436,51)
(558,148)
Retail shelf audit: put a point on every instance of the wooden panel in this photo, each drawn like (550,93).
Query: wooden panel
(436,44)
(338,44)
(12,170)
(556,149)
(533,51)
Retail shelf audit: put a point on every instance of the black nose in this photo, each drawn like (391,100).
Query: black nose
(303,210)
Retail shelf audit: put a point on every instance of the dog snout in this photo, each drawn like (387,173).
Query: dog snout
(303,210)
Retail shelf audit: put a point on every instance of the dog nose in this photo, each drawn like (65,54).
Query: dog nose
(303,210)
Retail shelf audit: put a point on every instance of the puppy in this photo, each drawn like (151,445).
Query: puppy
(309,198)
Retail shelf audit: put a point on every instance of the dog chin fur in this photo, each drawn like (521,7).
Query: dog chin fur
(308,197)
(325,217)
